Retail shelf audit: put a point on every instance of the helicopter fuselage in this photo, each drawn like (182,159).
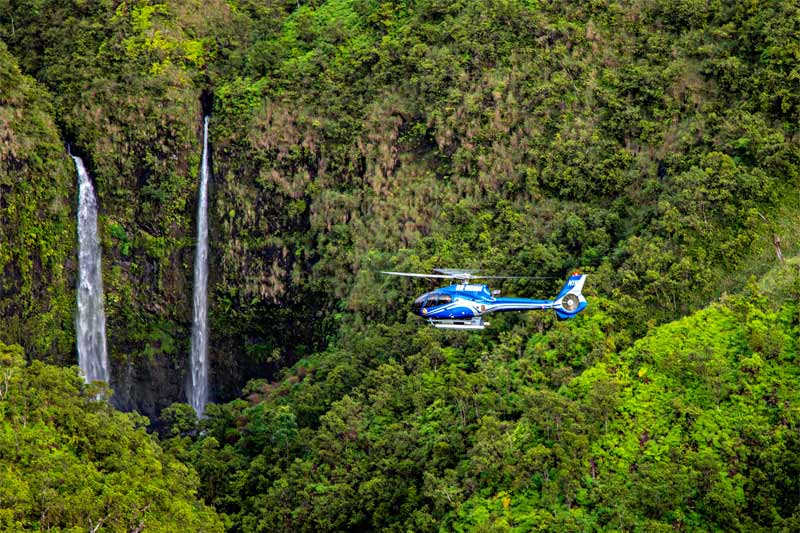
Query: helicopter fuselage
(462,305)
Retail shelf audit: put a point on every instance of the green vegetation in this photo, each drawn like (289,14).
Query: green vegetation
(695,426)
(652,144)
(71,462)
(36,229)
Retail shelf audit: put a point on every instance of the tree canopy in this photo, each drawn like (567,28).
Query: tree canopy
(71,462)
(653,144)
(694,426)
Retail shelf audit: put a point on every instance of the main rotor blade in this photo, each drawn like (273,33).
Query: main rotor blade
(460,275)
(473,274)
(415,275)
(455,272)
(513,277)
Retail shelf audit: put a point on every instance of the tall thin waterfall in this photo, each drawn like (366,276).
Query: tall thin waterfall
(198,382)
(90,325)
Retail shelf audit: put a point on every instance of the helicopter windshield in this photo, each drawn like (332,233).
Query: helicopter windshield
(431,299)
(419,302)
(435,299)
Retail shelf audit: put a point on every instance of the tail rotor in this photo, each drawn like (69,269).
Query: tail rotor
(570,301)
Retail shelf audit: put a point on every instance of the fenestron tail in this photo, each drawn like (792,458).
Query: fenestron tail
(570,301)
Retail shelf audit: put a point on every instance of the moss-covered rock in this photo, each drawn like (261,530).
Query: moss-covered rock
(37,229)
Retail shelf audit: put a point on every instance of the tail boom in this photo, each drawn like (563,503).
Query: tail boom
(569,302)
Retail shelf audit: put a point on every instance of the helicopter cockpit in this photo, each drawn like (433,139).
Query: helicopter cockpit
(430,299)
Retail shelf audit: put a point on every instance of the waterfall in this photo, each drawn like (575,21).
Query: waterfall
(198,379)
(90,326)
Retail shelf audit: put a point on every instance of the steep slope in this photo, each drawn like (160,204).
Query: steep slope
(519,137)
(654,145)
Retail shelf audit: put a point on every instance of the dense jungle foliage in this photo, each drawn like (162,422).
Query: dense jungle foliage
(650,143)
(696,426)
(69,461)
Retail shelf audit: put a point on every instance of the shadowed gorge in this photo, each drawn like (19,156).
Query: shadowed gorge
(652,145)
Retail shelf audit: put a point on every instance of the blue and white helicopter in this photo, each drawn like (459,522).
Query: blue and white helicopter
(462,306)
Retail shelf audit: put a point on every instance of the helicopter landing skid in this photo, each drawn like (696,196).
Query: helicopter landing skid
(475,323)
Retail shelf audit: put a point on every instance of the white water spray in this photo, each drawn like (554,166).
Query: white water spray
(90,324)
(198,379)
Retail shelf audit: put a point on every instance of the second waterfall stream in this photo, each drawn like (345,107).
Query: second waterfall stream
(197,390)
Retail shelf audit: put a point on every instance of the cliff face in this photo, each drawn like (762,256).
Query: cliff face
(348,137)
(138,136)
(37,244)
(128,87)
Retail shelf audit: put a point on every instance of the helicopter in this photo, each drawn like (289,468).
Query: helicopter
(462,305)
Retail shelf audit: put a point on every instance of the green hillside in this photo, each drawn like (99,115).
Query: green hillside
(693,427)
(652,144)
(36,222)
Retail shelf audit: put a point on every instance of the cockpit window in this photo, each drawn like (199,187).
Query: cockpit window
(431,299)
(418,303)
(435,299)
